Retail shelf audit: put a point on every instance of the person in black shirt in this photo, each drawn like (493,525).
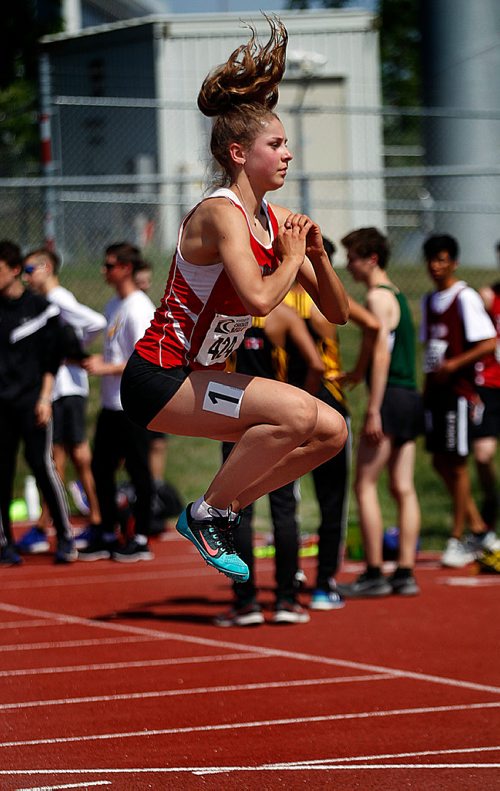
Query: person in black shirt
(30,351)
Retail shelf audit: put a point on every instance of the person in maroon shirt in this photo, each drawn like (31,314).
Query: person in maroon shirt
(457,332)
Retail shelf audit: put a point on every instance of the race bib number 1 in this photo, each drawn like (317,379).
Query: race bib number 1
(223,336)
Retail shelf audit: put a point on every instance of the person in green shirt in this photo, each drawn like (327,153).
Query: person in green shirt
(393,420)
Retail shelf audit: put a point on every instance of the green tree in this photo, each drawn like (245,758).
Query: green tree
(23,23)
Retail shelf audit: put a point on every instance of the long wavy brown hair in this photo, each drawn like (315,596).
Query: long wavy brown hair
(241,93)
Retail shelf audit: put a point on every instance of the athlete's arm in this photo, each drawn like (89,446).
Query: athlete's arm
(370,327)
(380,304)
(317,275)
(218,232)
(285,323)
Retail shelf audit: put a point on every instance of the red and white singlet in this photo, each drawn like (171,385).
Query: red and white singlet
(488,369)
(201,319)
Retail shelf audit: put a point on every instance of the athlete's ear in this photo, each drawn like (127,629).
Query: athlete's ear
(237,153)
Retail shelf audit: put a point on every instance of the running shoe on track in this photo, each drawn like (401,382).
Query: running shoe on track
(241,615)
(135,549)
(289,612)
(326,600)
(213,538)
(33,541)
(404,586)
(9,556)
(366,586)
(66,551)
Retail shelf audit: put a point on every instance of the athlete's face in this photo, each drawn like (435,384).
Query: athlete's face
(7,277)
(269,156)
(359,267)
(441,269)
(35,273)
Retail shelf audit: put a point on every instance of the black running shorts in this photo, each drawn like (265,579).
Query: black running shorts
(146,388)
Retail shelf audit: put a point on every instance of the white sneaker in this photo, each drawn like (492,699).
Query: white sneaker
(484,541)
(457,555)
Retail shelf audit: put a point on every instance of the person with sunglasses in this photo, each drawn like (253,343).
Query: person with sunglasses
(30,355)
(116,438)
(81,326)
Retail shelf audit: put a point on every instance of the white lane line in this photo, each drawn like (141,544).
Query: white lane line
(358,715)
(158,770)
(62,582)
(271,652)
(25,624)
(183,660)
(325,763)
(47,646)
(168,693)
(471,582)
(87,784)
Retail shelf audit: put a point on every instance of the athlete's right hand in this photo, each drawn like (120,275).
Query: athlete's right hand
(291,239)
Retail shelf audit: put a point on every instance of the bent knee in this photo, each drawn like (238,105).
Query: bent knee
(334,434)
(301,416)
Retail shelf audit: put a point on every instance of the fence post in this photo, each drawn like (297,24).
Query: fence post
(47,162)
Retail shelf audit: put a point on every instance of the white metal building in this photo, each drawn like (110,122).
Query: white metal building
(124,99)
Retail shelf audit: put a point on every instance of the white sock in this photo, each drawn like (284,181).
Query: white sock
(201,510)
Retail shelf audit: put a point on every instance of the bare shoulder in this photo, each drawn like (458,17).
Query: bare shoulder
(383,303)
(280,212)
(216,210)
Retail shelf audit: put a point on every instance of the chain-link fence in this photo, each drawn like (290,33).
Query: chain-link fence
(81,210)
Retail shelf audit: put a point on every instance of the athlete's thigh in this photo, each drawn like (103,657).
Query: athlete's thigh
(372,458)
(402,465)
(222,406)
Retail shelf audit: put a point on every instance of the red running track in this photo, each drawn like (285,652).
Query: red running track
(113,676)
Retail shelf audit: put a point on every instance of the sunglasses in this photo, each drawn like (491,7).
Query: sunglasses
(30,268)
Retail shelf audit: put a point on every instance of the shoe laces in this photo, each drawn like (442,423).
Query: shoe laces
(222,531)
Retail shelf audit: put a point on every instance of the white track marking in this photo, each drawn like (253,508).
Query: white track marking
(107,579)
(230,726)
(271,652)
(77,643)
(159,770)
(25,624)
(472,582)
(183,660)
(87,784)
(385,756)
(170,693)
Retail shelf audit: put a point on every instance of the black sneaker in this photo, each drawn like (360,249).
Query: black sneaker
(404,586)
(9,556)
(213,538)
(66,551)
(241,615)
(97,549)
(289,612)
(135,549)
(366,587)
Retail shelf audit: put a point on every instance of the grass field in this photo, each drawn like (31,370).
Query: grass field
(192,462)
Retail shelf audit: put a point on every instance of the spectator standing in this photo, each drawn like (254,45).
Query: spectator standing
(70,392)
(262,353)
(30,343)
(457,332)
(116,438)
(391,424)
(332,478)
(486,433)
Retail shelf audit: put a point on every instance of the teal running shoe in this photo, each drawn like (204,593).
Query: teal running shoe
(213,538)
